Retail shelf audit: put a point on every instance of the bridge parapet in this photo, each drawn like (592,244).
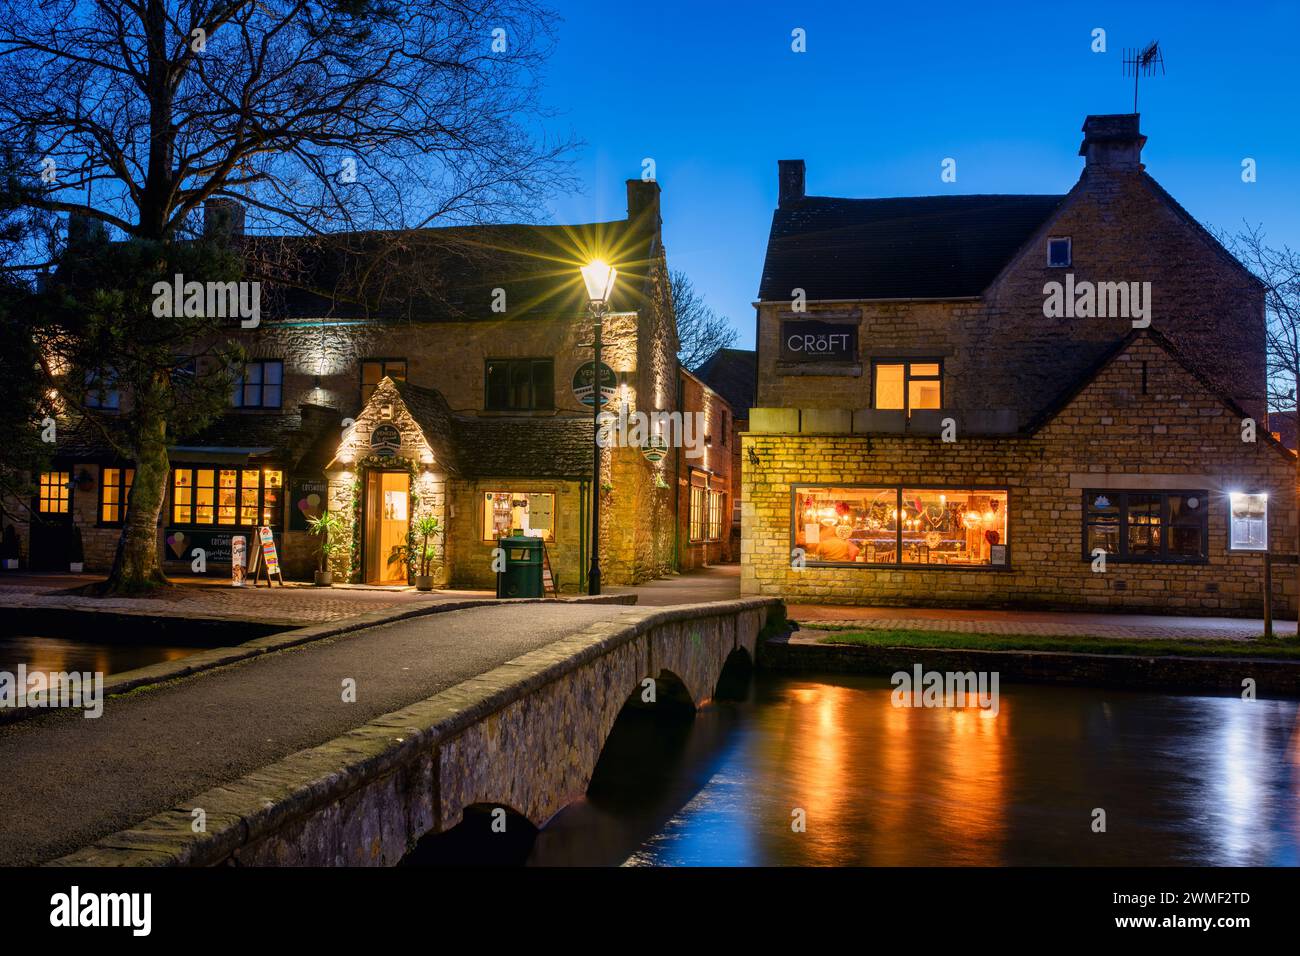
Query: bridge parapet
(525,735)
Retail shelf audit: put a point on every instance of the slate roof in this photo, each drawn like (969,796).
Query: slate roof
(473,447)
(447,274)
(733,374)
(919,247)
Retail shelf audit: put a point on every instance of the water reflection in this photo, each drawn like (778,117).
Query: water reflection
(1183,780)
(68,654)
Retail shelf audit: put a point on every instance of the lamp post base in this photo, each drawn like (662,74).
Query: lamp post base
(593,581)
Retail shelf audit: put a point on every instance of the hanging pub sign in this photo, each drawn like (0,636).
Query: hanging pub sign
(656,447)
(306,501)
(814,340)
(385,441)
(583,389)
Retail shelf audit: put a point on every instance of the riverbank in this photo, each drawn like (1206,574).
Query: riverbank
(1220,667)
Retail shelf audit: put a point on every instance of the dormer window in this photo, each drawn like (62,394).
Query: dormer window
(1058,252)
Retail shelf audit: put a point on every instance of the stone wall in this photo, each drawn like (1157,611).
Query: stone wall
(1113,434)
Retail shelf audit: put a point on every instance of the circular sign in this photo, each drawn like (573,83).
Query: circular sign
(385,441)
(656,447)
(583,387)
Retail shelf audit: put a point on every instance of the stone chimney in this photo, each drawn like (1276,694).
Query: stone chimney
(1112,141)
(222,217)
(790,177)
(643,203)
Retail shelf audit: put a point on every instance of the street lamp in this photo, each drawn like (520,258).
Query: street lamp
(599,276)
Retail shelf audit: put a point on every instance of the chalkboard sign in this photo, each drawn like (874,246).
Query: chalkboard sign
(813,340)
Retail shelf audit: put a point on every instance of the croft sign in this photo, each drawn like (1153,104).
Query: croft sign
(811,340)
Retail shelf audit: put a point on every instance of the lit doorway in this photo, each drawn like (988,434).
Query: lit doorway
(387,521)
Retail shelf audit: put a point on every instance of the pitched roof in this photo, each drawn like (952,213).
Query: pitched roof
(447,274)
(733,374)
(469,446)
(917,247)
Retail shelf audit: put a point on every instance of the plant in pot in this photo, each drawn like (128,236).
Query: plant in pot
(327,526)
(426,527)
(77,555)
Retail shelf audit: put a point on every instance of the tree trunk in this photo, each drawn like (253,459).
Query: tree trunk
(136,567)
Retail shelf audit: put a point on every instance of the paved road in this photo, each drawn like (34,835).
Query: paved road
(68,780)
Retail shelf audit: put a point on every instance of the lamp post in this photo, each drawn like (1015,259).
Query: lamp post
(598,276)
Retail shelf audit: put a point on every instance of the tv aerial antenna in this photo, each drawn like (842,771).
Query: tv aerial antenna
(1143,62)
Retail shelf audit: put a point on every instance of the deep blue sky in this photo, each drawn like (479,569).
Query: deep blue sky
(712,92)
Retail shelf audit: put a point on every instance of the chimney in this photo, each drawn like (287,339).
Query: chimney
(1112,141)
(643,202)
(790,176)
(222,217)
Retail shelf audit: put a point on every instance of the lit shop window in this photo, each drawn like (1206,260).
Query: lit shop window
(1146,526)
(52,493)
(114,490)
(244,497)
(1249,522)
(505,512)
(902,526)
(908,385)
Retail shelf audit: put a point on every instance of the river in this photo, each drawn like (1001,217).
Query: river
(1182,780)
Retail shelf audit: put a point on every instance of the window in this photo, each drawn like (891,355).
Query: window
(696,518)
(716,515)
(519,384)
(1248,529)
(725,425)
(1146,526)
(259,386)
(373,371)
(530,512)
(959,527)
(100,392)
(114,493)
(908,385)
(1058,252)
(243,497)
(52,492)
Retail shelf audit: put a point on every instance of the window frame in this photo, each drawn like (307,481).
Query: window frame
(241,385)
(548,400)
(215,524)
(1166,524)
(550,537)
(1231,520)
(908,377)
(898,564)
(1069,252)
(102,393)
(383,361)
(63,486)
(123,486)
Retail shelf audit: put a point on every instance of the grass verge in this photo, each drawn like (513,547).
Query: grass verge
(1285,648)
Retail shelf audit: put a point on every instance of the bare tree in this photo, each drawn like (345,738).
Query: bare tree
(701,331)
(315,115)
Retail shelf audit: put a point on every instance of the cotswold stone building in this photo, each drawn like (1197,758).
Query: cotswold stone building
(1012,400)
(440,371)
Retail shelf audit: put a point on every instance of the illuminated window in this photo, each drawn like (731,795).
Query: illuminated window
(1249,522)
(247,497)
(530,512)
(1146,526)
(908,385)
(716,515)
(956,527)
(373,371)
(52,493)
(114,492)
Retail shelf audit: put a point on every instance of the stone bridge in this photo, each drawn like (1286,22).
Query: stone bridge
(525,736)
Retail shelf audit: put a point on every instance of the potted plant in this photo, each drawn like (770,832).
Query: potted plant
(426,527)
(77,555)
(327,526)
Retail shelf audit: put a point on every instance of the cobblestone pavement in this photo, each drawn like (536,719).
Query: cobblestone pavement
(297,604)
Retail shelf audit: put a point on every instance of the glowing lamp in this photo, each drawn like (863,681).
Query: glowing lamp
(599,277)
